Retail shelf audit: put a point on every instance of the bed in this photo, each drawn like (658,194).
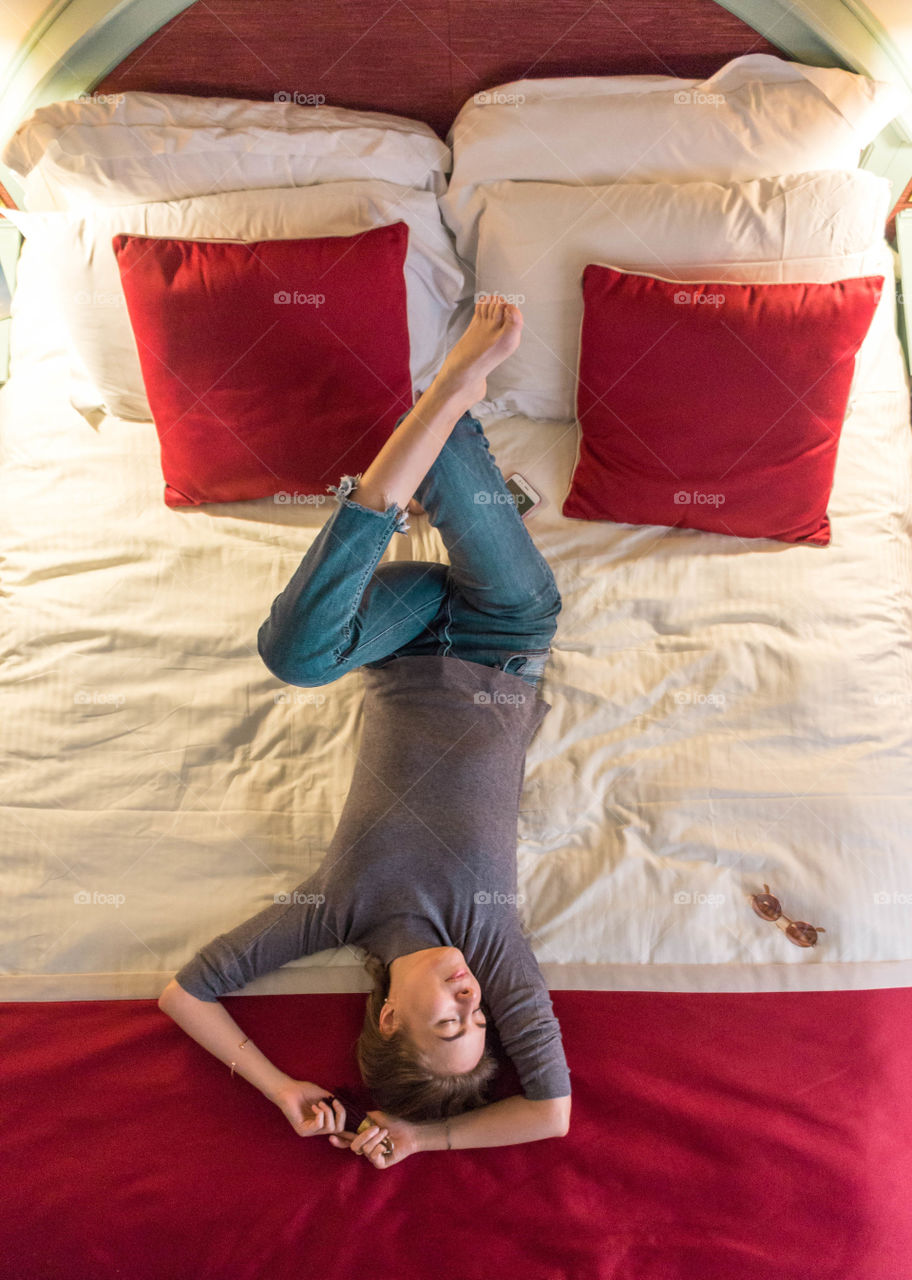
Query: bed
(730,684)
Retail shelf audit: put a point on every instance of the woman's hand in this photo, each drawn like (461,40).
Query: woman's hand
(370,1143)
(304,1106)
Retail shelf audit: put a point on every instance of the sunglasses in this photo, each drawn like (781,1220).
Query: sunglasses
(797,931)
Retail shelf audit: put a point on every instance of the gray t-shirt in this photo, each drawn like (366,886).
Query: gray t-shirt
(424,854)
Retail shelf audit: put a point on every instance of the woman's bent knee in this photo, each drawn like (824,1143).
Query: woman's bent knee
(309,672)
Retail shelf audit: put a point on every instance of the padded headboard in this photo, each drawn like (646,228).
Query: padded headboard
(423,59)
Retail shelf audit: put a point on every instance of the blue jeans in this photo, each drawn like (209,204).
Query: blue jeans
(496,603)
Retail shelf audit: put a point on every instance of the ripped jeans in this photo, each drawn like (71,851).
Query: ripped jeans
(496,603)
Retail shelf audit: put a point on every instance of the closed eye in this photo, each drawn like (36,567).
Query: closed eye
(444,1022)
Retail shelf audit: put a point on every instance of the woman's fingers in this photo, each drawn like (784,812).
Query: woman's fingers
(381,1155)
(328,1119)
(363,1139)
(313,1123)
(370,1141)
(374,1143)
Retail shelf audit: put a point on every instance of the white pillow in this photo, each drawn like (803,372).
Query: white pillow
(77,250)
(137,147)
(757,117)
(535,239)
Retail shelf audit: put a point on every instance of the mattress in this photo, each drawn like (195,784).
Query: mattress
(725,714)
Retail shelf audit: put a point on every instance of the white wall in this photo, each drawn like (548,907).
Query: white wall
(54,49)
(17,17)
(895,16)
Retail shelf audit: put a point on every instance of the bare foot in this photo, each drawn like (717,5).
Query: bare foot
(493,334)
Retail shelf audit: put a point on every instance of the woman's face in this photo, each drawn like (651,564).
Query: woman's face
(436,999)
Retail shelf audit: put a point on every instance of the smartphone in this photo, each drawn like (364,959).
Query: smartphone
(356,1117)
(526,498)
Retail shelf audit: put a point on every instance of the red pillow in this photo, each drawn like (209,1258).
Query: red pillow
(714,406)
(269,366)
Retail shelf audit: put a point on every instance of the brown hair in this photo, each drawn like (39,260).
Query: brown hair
(392,1069)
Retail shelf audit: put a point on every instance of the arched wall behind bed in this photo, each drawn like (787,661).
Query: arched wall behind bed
(425,57)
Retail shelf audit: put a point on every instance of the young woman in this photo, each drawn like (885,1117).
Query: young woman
(421,871)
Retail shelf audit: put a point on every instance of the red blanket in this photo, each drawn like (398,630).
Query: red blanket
(713,1137)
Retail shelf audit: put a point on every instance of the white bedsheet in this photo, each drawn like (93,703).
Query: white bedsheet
(723,714)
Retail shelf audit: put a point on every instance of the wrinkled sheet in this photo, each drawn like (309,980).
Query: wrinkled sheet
(725,714)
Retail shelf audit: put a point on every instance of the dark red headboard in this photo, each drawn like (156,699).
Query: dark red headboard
(424,58)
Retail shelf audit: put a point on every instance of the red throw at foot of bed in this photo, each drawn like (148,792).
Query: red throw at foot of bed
(714,1137)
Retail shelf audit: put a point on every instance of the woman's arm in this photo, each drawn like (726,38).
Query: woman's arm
(517,998)
(211,1025)
(499,1124)
(296,924)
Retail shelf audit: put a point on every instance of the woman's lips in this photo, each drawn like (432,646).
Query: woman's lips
(461,973)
